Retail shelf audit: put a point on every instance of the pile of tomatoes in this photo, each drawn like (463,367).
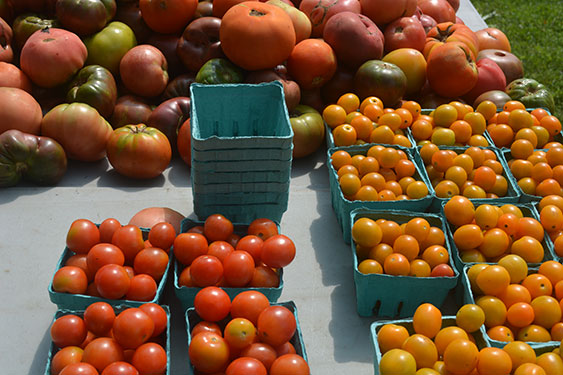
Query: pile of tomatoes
(115,261)
(102,341)
(381,174)
(537,172)
(413,248)
(245,336)
(213,254)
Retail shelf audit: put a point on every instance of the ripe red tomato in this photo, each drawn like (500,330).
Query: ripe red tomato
(188,246)
(102,352)
(206,270)
(212,304)
(68,330)
(276,325)
(238,268)
(79,260)
(290,364)
(263,352)
(70,279)
(142,288)
(130,271)
(132,327)
(264,277)
(120,368)
(208,352)
(150,358)
(239,333)
(185,279)
(162,235)
(220,249)
(278,251)
(99,318)
(64,357)
(217,228)
(129,239)
(246,366)
(112,281)
(107,229)
(442,270)
(90,336)
(249,304)
(204,326)
(82,235)
(102,254)
(263,228)
(80,368)
(158,316)
(252,244)
(285,348)
(151,261)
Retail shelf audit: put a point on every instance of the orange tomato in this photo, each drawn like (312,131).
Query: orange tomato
(391,336)
(470,317)
(459,210)
(427,320)
(366,232)
(520,352)
(396,264)
(494,361)
(461,356)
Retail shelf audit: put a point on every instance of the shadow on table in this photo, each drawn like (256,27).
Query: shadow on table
(41,355)
(304,165)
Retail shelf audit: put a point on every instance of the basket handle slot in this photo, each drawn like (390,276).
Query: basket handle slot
(376,307)
(399,308)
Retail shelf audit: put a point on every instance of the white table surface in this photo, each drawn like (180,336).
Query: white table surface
(34,222)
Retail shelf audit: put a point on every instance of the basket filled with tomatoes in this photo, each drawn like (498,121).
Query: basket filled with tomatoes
(401,259)
(110,340)
(550,209)
(118,264)
(235,257)
(429,340)
(520,303)
(377,177)
(247,333)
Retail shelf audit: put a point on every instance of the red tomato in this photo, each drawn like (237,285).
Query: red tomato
(208,352)
(238,268)
(185,279)
(278,251)
(112,281)
(152,261)
(129,239)
(158,316)
(162,235)
(220,249)
(99,318)
(82,235)
(188,246)
(263,228)
(239,333)
(65,356)
(142,288)
(167,16)
(264,277)
(90,336)
(276,325)
(204,326)
(246,366)
(217,228)
(130,271)
(442,270)
(212,304)
(150,358)
(80,261)
(68,330)
(285,348)
(262,352)
(132,328)
(80,368)
(102,254)
(101,352)
(107,229)
(253,245)
(70,279)
(290,364)
(206,270)
(120,368)
(249,304)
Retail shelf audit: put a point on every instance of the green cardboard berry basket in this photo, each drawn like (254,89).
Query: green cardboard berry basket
(186,295)
(343,207)
(119,308)
(192,318)
(330,138)
(470,298)
(398,296)
(238,177)
(67,301)
(447,321)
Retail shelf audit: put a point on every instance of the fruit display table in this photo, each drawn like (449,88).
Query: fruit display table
(34,222)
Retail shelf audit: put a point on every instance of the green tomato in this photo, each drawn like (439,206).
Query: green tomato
(308,130)
(531,93)
(219,70)
(28,23)
(94,85)
(109,45)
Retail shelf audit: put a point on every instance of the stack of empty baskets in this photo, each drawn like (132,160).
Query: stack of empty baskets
(242,145)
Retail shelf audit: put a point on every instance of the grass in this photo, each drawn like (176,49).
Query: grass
(535,31)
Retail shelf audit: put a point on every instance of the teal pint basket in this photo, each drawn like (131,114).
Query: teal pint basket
(524,197)
(392,296)
(343,206)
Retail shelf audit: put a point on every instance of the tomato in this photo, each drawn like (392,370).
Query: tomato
(70,279)
(212,304)
(184,142)
(276,325)
(253,245)
(168,16)
(239,333)
(150,358)
(107,229)
(262,352)
(278,251)
(142,287)
(112,281)
(246,366)
(68,330)
(152,261)
(162,235)
(217,228)
(308,133)
(427,320)
(101,352)
(290,364)
(150,216)
(264,277)
(188,246)
(79,369)
(204,326)
(129,239)
(208,352)
(220,249)
(249,304)
(82,235)
(158,316)
(102,254)
(99,318)
(206,270)
(397,361)
(238,268)
(132,327)
(64,357)
(120,368)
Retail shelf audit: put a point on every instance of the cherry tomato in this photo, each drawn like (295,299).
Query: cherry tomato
(276,325)
(99,318)
(263,352)
(208,352)
(107,229)
(132,328)
(212,304)
(246,366)
(253,245)
(263,228)
(80,261)
(204,326)
(290,364)
(285,348)
(68,330)
(162,235)
(102,254)
(64,357)
(217,228)
(249,304)
(120,368)
(206,270)
(239,333)
(141,288)
(264,277)
(158,316)
(150,358)
(102,352)
(152,261)
(188,246)
(238,268)
(129,239)
(80,368)
(82,235)
(112,281)
(278,251)
(220,249)
(70,279)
